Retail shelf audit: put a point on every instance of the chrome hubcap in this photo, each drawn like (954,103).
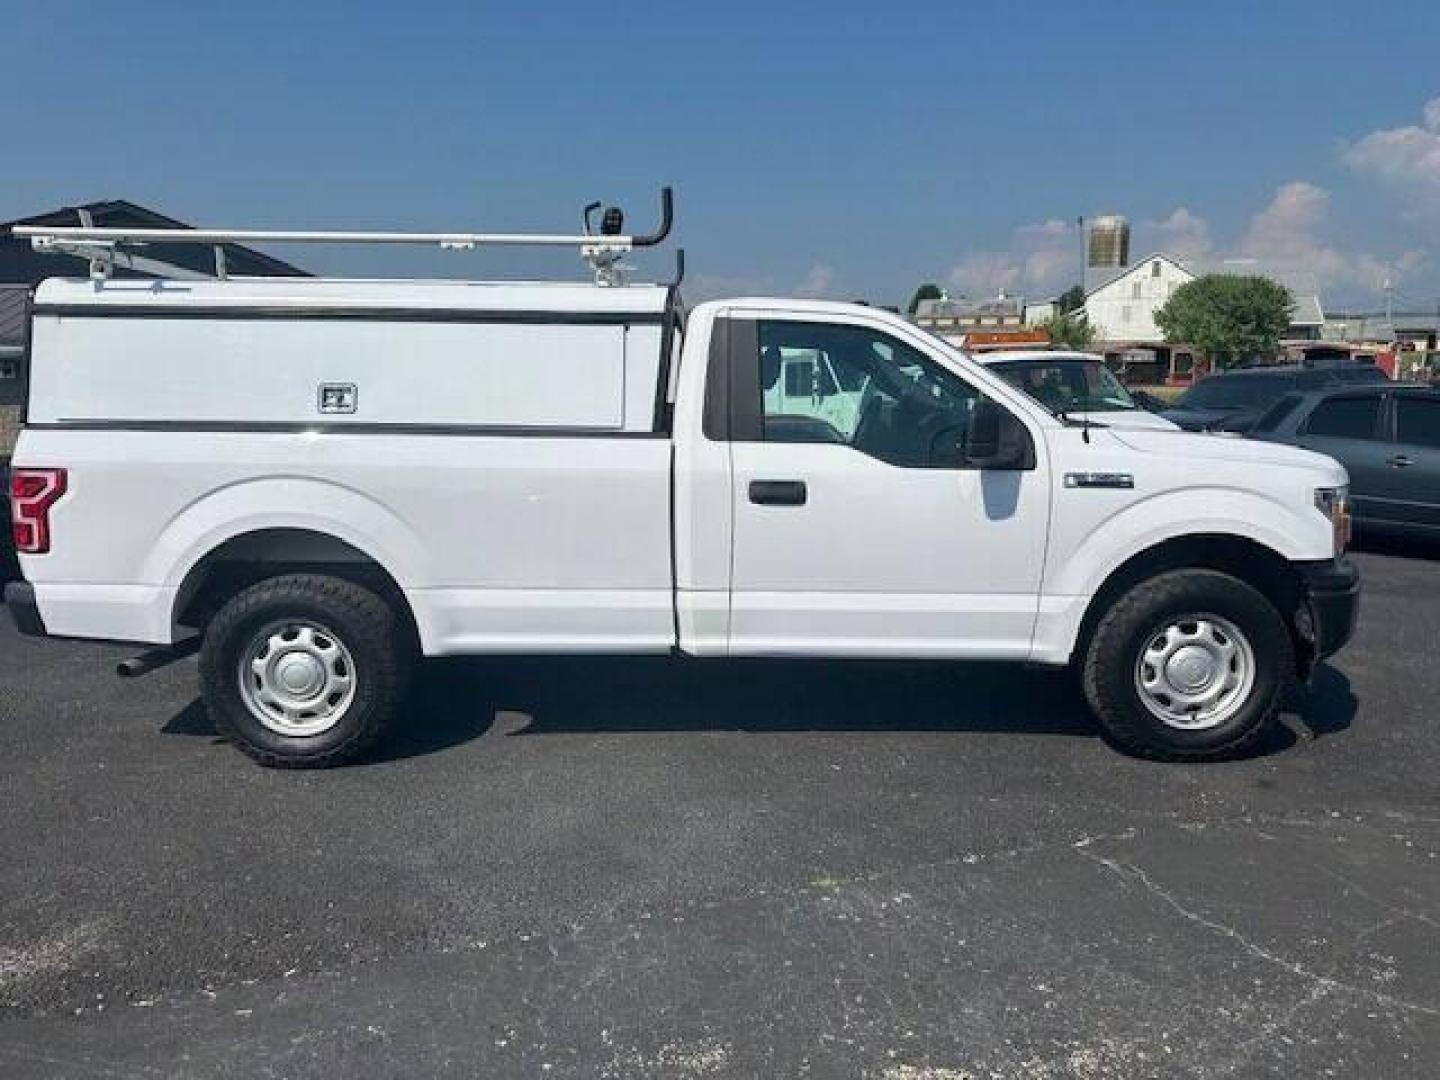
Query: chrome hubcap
(297,678)
(1195,672)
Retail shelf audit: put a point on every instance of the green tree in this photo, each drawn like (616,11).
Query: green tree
(1069,328)
(1072,299)
(1230,317)
(928,291)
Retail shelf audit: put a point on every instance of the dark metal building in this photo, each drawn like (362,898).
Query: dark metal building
(12,338)
(22,268)
(21,265)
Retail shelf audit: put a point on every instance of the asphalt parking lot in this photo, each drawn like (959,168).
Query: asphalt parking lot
(667,869)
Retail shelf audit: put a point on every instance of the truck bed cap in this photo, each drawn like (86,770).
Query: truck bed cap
(320,293)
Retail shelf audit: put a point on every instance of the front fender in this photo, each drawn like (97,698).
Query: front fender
(1082,562)
(1084,553)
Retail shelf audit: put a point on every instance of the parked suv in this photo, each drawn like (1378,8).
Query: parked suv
(1234,400)
(1388,439)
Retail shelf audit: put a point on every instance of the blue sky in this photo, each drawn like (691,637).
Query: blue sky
(840,149)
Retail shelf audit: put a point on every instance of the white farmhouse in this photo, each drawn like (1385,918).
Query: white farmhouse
(1123,308)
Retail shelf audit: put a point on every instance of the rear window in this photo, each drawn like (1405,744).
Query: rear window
(1236,392)
(1417,421)
(1359,373)
(1064,385)
(1345,417)
(1278,413)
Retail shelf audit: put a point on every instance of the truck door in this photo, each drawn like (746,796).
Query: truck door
(858,528)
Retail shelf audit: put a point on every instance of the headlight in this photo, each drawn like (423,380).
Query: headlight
(1334,503)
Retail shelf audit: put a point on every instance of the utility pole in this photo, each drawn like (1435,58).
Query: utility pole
(1080,224)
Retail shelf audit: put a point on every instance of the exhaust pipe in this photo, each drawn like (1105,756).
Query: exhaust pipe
(156,659)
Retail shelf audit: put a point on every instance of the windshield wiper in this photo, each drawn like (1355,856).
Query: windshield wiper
(1084,423)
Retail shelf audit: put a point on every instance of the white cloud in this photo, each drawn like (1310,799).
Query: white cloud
(723,286)
(985,273)
(1288,241)
(1040,260)
(1183,235)
(1286,234)
(1406,162)
(821,281)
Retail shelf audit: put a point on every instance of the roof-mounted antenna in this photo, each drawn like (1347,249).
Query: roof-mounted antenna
(601,250)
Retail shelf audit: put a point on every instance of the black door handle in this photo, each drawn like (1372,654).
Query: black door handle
(777,492)
(1400,461)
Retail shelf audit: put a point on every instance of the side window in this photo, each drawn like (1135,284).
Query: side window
(1278,413)
(1345,417)
(1417,421)
(863,389)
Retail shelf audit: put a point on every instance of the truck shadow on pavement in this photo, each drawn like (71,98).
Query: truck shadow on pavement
(457,701)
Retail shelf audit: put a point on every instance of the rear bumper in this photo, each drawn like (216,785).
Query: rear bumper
(92,612)
(1332,592)
(20,600)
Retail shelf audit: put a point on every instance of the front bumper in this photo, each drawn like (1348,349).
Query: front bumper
(1331,604)
(20,599)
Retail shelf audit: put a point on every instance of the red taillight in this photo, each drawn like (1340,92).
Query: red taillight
(32,493)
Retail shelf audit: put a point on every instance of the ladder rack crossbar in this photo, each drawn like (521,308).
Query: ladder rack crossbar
(209,237)
(604,251)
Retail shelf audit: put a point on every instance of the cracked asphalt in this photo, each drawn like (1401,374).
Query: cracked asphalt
(660,868)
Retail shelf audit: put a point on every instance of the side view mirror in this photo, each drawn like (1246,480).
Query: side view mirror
(997,440)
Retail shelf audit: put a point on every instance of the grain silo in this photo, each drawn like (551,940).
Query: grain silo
(1109,248)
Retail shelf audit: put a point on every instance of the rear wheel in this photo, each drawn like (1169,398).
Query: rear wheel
(1189,665)
(305,670)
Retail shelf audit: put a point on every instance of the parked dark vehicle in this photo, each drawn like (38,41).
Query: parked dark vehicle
(1148,401)
(1388,437)
(9,565)
(1234,400)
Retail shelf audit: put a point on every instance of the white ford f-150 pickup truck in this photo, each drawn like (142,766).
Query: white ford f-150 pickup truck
(315,482)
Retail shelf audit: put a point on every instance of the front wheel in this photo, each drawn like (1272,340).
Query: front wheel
(304,670)
(1189,665)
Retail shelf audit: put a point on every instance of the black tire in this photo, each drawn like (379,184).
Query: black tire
(366,626)
(1115,649)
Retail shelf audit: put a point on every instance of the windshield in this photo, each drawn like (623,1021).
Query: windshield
(1068,385)
(1235,392)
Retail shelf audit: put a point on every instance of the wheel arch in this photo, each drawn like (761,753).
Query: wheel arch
(1262,567)
(246,558)
(276,523)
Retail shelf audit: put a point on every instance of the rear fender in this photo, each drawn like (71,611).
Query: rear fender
(288,503)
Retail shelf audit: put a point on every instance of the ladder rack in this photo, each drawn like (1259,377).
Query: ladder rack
(602,250)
